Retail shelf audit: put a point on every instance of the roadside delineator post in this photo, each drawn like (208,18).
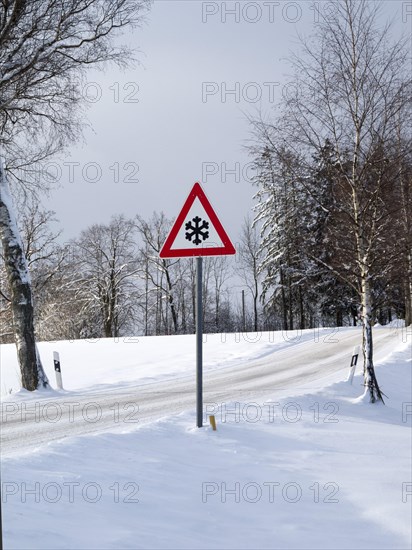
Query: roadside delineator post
(57,370)
(353,363)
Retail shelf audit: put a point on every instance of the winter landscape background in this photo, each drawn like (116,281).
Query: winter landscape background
(295,118)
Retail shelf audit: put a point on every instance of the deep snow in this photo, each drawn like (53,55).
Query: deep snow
(322,469)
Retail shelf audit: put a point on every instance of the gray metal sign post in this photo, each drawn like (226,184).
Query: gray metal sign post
(199,343)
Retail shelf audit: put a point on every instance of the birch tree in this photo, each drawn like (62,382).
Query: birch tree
(45,47)
(352,81)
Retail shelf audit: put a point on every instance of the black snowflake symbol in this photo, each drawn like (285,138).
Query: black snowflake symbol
(197,230)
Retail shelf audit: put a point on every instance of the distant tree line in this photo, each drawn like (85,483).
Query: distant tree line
(110,282)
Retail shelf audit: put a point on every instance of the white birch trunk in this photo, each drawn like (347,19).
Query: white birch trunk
(32,373)
(371,384)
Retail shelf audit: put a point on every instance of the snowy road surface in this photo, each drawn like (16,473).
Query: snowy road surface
(30,424)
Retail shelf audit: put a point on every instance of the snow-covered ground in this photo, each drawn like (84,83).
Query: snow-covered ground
(315,467)
(92,364)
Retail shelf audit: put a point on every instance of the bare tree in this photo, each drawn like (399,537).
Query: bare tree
(106,262)
(249,266)
(220,275)
(352,83)
(159,271)
(45,47)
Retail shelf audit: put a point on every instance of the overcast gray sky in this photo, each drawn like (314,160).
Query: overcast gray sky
(179,116)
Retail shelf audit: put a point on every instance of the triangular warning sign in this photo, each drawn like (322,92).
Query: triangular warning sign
(197,230)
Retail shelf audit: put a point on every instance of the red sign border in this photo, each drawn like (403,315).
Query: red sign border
(226,250)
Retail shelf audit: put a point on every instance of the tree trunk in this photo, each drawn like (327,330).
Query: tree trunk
(371,384)
(255,309)
(354,314)
(184,327)
(170,298)
(284,310)
(32,373)
(146,299)
(301,309)
(405,186)
(217,309)
(192,284)
(408,292)
(290,304)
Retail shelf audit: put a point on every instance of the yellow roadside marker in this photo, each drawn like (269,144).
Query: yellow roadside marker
(212,421)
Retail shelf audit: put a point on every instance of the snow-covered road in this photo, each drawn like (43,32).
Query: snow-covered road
(30,424)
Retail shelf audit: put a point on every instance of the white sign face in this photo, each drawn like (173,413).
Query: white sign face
(197,230)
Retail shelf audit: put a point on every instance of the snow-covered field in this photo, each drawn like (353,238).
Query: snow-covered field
(309,466)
